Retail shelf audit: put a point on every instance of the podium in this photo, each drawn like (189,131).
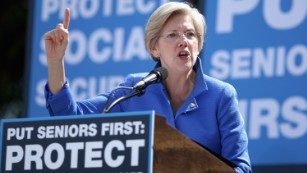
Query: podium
(117,142)
(175,153)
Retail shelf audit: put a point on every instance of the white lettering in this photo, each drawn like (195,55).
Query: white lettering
(63,131)
(91,11)
(135,146)
(263,62)
(122,128)
(273,14)
(74,148)
(33,153)
(220,64)
(102,56)
(241,64)
(227,10)
(48,7)
(90,8)
(42,55)
(40,96)
(297,67)
(270,119)
(264,113)
(92,154)
(125,7)
(277,19)
(19,133)
(72,5)
(259,62)
(14,154)
(145,8)
(117,161)
(296,122)
(77,39)
(135,45)
(102,46)
(36,156)
(60,153)
(82,88)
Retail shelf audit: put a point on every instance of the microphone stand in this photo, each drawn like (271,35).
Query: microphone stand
(138,92)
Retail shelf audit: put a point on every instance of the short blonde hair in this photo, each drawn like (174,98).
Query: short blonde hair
(159,18)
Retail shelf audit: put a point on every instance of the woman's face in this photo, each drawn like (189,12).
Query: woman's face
(177,46)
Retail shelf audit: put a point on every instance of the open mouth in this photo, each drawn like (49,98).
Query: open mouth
(183,54)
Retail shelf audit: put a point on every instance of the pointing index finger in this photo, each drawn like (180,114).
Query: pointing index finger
(66,18)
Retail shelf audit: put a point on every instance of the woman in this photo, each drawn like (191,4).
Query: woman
(203,108)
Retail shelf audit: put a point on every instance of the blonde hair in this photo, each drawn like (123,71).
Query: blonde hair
(159,18)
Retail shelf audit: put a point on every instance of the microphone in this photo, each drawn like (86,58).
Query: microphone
(157,75)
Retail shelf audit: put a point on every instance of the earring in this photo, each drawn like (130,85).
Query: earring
(158,57)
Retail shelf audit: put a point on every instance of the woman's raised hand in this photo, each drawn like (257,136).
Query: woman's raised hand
(56,40)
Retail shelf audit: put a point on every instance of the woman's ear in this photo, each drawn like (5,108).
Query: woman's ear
(155,52)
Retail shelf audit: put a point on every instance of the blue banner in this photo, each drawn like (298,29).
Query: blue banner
(260,46)
(109,143)
(106,44)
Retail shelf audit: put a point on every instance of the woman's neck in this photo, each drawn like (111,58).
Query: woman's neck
(179,87)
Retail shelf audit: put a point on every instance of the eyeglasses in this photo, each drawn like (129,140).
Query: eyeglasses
(173,36)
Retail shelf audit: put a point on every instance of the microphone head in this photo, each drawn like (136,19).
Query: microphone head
(162,73)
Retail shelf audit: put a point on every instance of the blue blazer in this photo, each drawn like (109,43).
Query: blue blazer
(210,116)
